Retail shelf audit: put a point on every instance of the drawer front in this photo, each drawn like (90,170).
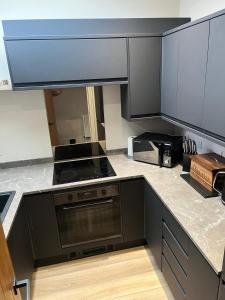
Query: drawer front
(176,248)
(175,266)
(172,281)
(36,61)
(176,229)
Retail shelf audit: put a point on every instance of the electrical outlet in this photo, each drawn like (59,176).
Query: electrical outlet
(5,84)
(199,145)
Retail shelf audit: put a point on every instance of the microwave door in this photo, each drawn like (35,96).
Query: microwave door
(146,151)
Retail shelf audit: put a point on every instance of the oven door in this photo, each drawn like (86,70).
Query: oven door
(89,221)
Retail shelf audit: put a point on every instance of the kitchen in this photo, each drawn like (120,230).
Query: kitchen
(108,204)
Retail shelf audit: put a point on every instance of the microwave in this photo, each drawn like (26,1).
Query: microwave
(159,149)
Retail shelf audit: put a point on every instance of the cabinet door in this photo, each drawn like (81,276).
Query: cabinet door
(221,295)
(214,106)
(20,248)
(192,60)
(43,226)
(169,75)
(144,77)
(203,282)
(132,201)
(36,61)
(153,223)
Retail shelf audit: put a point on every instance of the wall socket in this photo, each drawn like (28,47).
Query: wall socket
(5,84)
(199,145)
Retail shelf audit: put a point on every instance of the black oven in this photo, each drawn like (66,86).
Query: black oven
(89,215)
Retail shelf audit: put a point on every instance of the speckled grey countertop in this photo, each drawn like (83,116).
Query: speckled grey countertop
(203,219)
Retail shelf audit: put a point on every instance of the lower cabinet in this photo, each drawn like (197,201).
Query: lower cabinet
(42,225)
(20,248)
(153,223)
(186,271)
(203,282)
(132,204)
(34,240)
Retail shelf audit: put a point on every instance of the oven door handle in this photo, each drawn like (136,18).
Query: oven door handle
(87,205)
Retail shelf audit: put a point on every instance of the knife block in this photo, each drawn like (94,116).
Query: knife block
(204,168)
(186,162)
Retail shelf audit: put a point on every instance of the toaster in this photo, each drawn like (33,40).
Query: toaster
(159,149)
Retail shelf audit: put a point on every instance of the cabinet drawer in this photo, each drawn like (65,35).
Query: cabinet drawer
(176,229)
(172,281)
(175,266)
(175,247)
(38,61)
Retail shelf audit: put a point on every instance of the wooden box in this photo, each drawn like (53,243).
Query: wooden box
(204,168)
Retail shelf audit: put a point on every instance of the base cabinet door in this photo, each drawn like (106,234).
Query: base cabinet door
(20,249)
(43,226)
(203,282)
(153,223)
(221,295)
(132,202)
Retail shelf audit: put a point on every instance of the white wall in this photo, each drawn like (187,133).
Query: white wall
(199,8)
(118,129)
(23,126)
(28,9)
(37,143)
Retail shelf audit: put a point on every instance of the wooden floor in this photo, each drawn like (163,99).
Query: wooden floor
(121,275)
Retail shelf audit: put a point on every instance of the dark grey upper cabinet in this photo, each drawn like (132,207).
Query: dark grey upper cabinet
(170,45)
(88,28)
(41,61)
(214,105)
(192,60)
(145,64)
(142,95)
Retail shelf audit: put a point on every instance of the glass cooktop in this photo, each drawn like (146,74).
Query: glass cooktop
(78,170)
(77,151)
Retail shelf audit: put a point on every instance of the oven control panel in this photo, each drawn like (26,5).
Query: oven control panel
(86,194)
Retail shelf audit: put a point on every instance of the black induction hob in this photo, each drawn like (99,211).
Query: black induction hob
(78,170)
(77,151)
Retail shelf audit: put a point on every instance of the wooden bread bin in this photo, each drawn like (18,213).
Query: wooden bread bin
(204,168)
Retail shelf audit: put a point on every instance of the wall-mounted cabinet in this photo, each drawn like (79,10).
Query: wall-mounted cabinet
(141,97)
(66,60)
(193,68)
(214,102)
(169,74)
(192,60)
(183,73)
